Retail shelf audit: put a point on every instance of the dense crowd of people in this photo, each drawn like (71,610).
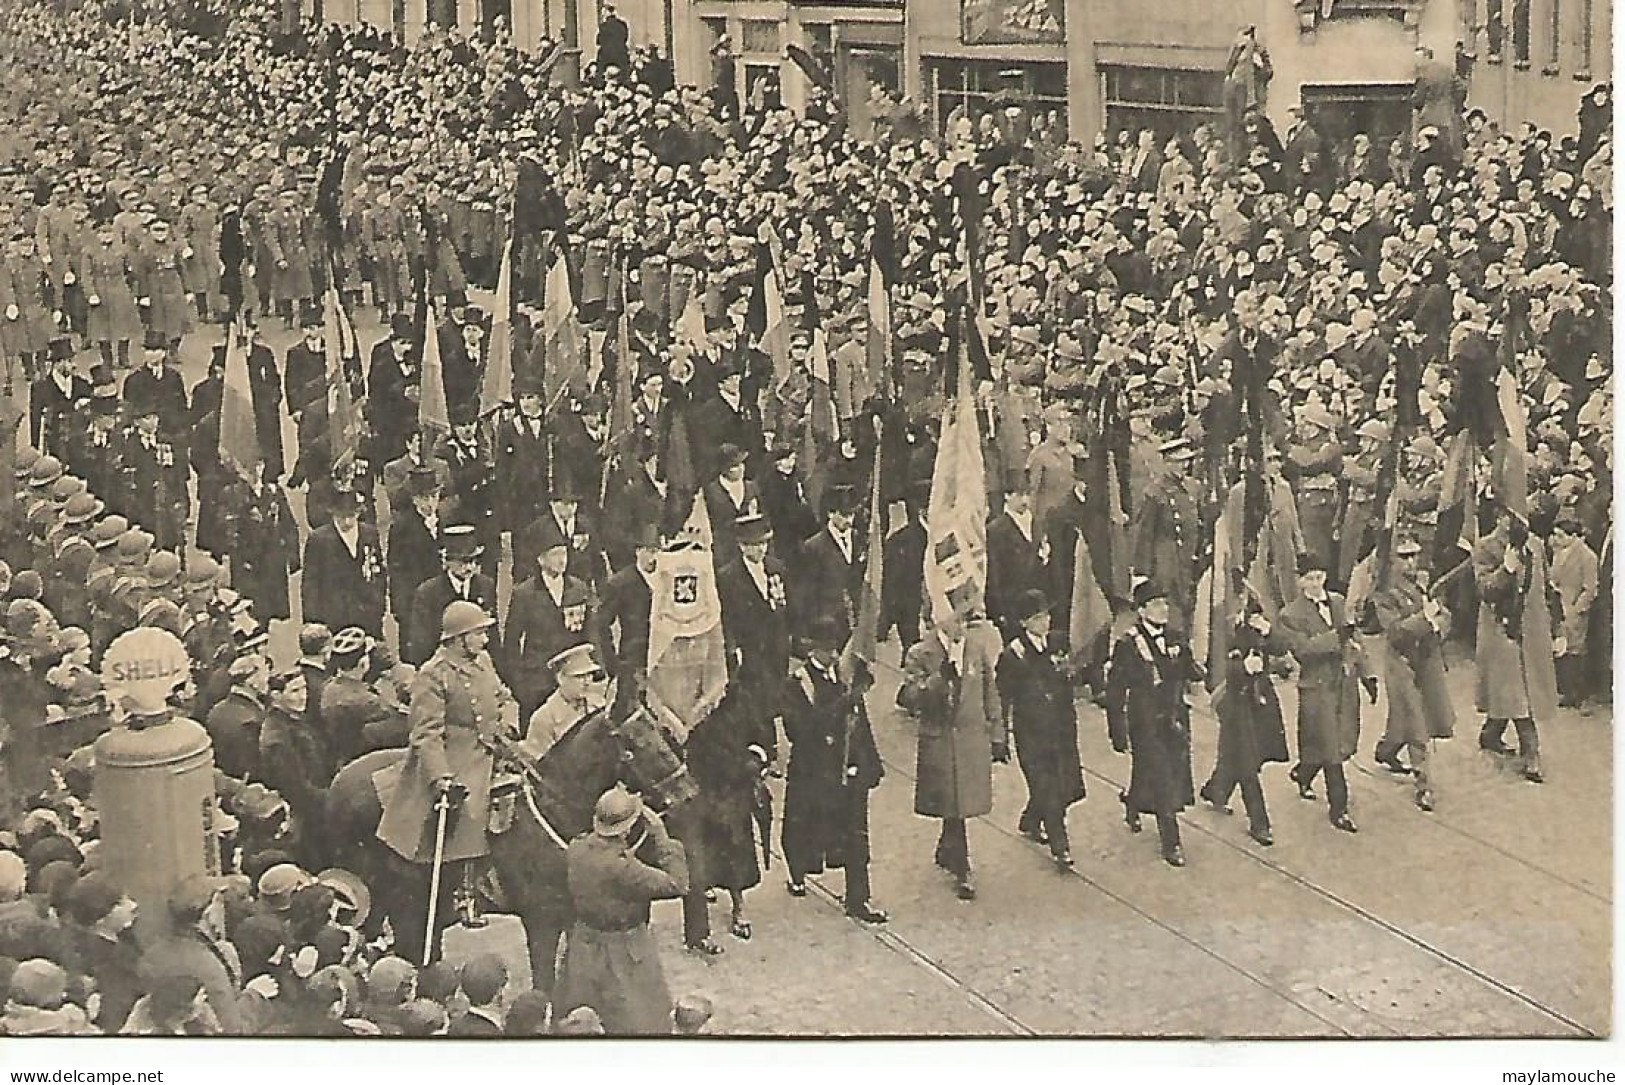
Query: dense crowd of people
(1410,350)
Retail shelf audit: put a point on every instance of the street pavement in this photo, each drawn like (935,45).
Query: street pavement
(1490,916)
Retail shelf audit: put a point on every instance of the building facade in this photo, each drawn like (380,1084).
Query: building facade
(1101,66)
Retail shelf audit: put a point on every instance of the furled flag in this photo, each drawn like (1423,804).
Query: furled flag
(1511,459)
(621,426)
(1091,612)
(864,642)
(561,335)
(497,386)
(239,433)
(956,549)
(822,420)
(434,416)
(880,331)
(691,324)
(343,427)
(688,663)
(775,341)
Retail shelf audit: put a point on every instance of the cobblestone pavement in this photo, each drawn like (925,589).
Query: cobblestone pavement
(1489,917)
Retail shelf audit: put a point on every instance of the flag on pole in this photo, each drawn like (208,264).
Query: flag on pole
(956,548)
(561,334)
(691,324)
(1512,447)
(434,416)
(688,661)
(620,405)
(775,340)
(239,432)
(497,387)
(864,642)
(1091,612)
(343,427)
(822,420)
(880,331)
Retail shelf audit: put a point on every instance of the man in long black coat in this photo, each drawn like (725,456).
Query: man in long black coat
(521,452)
(1251,732)
(547,613)
(756,628)
(414,542)
(902,584)
(831,565)
(1150,670)
(834,764)
(265,388)
(392,372)
(345,580)
(1038,695)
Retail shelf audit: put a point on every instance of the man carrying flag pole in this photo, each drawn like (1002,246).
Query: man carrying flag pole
(950,685)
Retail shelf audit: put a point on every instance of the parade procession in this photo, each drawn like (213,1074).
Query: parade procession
(489,550)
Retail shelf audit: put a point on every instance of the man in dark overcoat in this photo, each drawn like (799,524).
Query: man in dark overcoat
(834,764)
(460,579)
(1151,667)
(1414,625)
(1251,733)
(1038,696)
(345,581)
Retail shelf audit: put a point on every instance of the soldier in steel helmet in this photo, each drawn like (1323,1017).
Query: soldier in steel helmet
(461,711)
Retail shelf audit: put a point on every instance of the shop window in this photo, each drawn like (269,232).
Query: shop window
(820,38)
(979,87)
(1167,101)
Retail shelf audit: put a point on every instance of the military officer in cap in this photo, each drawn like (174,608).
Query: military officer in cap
(461,579)
(1037,690)
(460,713)
(1314,466)
(345,580)
(548,611)
(1414,625)
(1151,668)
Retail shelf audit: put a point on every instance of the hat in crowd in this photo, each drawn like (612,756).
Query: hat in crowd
(1031,604)
(65,488)
(616,811)
(1317,414)
(163,568)
(1406,544)
(82,509)
(527,382)
(202,572)
(351,890)
(25,460)
(13,876)
(581,1021)
(401,327)
(752,530)
(189,899)
(840,498)
(1374,429)
(45,471)
(278,885)
(645,537)
(823,631)
(108,531)
(154,340)
(39,983)
(351,641)
(459,542)
(1146,590)
(577,661)
(92,898)
(732,456)
(1310,562)
(422,482)
(547,535)
(1178,450)
(462,618)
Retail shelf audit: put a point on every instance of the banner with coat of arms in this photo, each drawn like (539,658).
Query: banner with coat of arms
(688,665)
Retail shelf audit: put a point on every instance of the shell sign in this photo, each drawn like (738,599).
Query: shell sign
(143,667)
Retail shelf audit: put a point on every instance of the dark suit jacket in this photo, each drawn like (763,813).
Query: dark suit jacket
(340,590)
(534,634)
(623,608)
(903,581)
(414,556)
(429,603)
(757,632)
(832,582)
(521,474)
(1012,568)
